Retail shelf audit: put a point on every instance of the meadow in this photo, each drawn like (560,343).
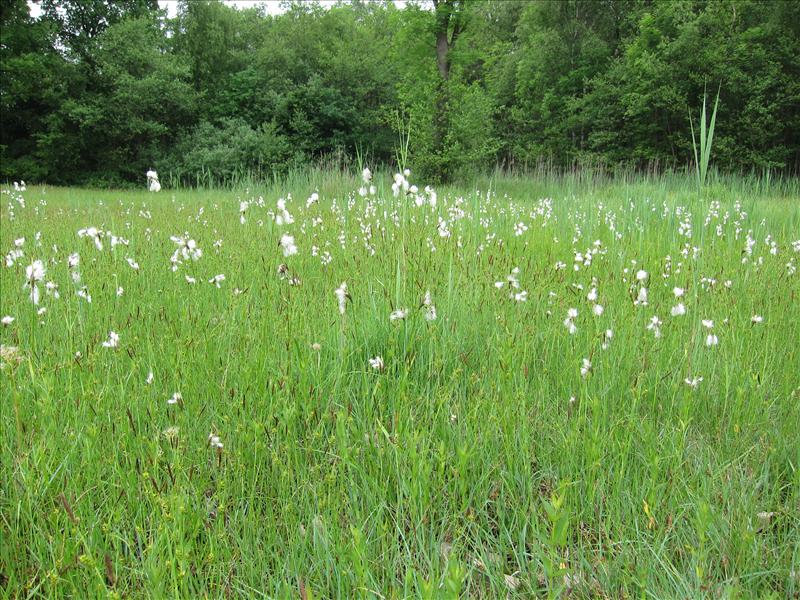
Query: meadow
(330,388)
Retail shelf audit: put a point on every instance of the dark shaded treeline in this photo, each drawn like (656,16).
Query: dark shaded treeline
(96,92)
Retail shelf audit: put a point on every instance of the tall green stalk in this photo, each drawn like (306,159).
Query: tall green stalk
(702,161)
(403,128)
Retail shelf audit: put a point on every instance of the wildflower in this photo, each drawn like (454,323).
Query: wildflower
(641,298)
(112,341)
(283,217)
(214,441)
(132,263)
(678,292)
(187,249)
(316,346)
(190,279)
(607,335)
(175,399)
(569,322)
(520,228)
(94,234)
(366,175)
(83,292)
(116,241)
(376,363)
(342,296)
(756,319)
(586,367)
(693,382)
(399,314)
(152,181)
(217,279)
(597,309)
(243,206)
(430,309)
(149,379)
(287,245)
(678,310)
(34,273)
(120,291)
(7,320)
(73,260)
(13,256)
(520,296)
(655,326)
(711,340)
(641,275)
(592,295)
(432,196)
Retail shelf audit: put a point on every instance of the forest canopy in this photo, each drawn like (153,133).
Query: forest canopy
(97,92)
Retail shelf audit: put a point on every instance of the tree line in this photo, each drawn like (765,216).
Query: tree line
(97,92)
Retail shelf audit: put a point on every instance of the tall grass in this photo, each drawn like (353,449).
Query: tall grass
(478,463)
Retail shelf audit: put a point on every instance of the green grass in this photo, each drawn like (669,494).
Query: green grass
(463,469)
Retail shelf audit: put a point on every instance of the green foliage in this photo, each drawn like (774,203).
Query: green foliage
(96,91)
(230,152)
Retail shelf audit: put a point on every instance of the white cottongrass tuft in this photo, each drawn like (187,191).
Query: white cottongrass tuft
(430,309)
(112,341)
(342,296)
(655,326)
(399,314)
(694,382)
(287,245)
(586,367)
(569,322)
(152,181)
(34,273)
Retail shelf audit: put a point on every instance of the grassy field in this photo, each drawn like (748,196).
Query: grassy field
(493,407)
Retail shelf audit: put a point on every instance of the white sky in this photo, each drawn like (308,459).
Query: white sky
(273,6)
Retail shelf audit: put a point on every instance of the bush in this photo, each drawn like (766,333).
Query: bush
(229,152)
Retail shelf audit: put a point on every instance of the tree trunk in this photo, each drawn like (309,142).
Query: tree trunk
(447,14)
